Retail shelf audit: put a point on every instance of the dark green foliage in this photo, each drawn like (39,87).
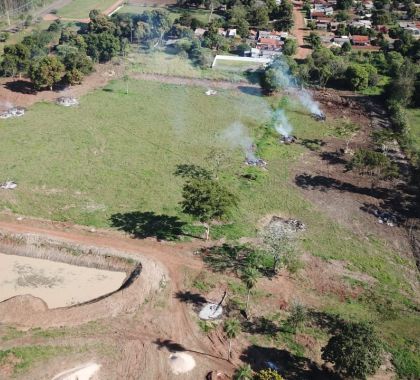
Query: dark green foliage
(207,200)
(46,72)
(373,163)
(357,76)
(355,351)
(283,14)
(192,171)
(314,40)
(102,47)
(16,59)
(237,258)
(290,47)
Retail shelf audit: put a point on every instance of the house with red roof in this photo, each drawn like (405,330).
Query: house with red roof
(360,40)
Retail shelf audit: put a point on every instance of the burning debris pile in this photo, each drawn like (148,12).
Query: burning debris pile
(12,112)
(237,135)
(255,161)
(319,116)
(288,139)
(67,101)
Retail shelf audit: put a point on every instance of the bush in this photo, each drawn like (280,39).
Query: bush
(268,374)
(355,351)
(4,36)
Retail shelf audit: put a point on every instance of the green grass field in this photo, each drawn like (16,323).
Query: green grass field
(116,153)
(81,8)
(174,12)
(160,62)
(414,121)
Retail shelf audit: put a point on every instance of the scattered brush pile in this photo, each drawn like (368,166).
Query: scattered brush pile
(12,112)
(285,228)
(67,101)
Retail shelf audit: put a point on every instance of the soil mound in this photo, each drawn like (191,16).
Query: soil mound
(180,362)
(83,372)
(19,305)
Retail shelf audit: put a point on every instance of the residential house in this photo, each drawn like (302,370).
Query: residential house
(341,40)
(358,40)
(269,44)
(329,11)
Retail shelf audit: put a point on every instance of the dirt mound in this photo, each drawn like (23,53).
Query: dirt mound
(83,372)
(21,305)
(181,362)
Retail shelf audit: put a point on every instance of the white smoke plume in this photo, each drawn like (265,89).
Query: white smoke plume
(237,136)
(281,123)
(287,81)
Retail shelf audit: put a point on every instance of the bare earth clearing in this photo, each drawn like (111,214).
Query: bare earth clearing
(141,334)
(58,284)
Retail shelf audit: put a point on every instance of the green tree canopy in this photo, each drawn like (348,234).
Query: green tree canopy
(45,72)
(355,351)
(207,200)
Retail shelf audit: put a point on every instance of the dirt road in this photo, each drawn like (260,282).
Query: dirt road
(299,31)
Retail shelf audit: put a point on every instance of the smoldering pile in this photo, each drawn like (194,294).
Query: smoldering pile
(319,117)
(13,112)
(288,139)
(67,101)
(255,161)
(237,135)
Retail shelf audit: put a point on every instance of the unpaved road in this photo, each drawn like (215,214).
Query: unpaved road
(299,31)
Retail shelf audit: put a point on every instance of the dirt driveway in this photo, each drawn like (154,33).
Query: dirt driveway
(299,31)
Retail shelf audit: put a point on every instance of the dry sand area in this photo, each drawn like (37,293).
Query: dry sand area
(83,372)
(57,284)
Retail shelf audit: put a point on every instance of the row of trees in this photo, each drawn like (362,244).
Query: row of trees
(69,60)
(243,14)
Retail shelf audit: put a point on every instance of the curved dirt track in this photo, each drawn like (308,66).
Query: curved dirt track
(144,336)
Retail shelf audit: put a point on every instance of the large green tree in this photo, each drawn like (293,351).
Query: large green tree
(16,59)
(355,351)
(45,72)
(283,15)
(207,200)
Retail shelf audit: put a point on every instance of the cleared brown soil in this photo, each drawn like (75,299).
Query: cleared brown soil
(299,31)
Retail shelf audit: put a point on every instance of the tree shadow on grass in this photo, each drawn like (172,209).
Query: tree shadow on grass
(260,325)
(148,224)
(322,183)
(290,366)
(195,299)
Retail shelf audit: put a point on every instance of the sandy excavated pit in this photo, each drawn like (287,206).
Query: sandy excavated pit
(57,284)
